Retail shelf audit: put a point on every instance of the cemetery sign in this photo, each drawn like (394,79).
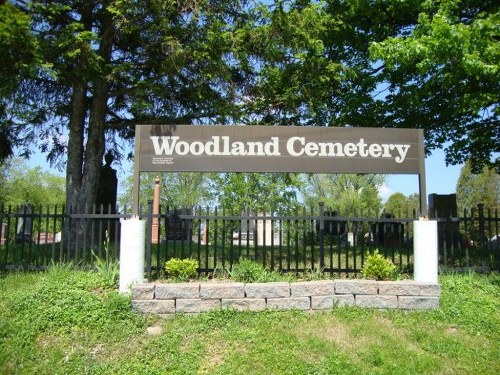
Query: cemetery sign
(252,148)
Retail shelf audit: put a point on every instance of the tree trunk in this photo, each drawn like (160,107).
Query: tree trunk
(95,145)
(77,122)
(85,154)
(75,145)
(85,162)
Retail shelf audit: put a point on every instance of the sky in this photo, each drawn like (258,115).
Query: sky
(440,179)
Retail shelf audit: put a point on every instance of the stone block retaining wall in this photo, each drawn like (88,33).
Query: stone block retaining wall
(198,297)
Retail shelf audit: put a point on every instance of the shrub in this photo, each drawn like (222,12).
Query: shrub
(377,267)
(249,271)
(182,269)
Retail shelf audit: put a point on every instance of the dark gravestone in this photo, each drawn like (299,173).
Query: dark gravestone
(388,233)
(444,207)
(178,229)
(107,191)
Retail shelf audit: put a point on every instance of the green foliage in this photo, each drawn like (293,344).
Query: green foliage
(402,206)
(177,189)
(346,194)
(377,267)
(108,268)
(473,189)
(249,271)
(314,275)
(241,192)
(443,77)
(35,186)
(108,68)
(182,269)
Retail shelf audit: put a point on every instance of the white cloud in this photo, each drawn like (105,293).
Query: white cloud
(385,192)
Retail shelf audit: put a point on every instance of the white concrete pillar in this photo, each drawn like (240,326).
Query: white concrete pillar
(425,248)
(132,250)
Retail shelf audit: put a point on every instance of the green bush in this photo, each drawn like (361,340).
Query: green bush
(377,267)
(249,271)
(182,269)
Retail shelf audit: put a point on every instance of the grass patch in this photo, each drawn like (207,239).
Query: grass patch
(65,321)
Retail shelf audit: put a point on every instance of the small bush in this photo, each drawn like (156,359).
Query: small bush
(181,269)
(377,267)
(249,271)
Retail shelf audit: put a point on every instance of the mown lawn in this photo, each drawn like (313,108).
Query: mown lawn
(65,322)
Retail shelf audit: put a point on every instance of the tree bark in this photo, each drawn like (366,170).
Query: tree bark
(79,110)
(75,144)
(84,169)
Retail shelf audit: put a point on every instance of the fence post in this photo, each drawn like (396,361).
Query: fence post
(149,237)
(321,235)
(482,243)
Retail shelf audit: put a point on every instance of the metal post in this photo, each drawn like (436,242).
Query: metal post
(149,227)
(321,235)
(137,174)
(482,242)
(421,176)
(156,210)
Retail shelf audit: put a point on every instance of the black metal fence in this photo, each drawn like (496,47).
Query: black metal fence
(298,240)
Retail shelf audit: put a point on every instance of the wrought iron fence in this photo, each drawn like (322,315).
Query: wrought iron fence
(298,240)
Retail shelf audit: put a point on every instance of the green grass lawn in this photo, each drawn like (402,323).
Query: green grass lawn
(65,322)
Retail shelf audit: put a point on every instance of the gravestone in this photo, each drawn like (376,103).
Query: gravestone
(178,229)
(106,193)
(388,233)
(3,234)
(24,226)
(444,206)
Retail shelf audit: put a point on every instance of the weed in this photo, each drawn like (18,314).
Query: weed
(107,268)
(315,274)
(249,271)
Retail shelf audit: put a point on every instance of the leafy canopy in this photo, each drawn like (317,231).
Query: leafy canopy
(444,76)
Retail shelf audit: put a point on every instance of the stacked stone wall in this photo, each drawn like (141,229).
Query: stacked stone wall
(165,299)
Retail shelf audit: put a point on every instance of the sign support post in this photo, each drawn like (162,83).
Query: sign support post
(137,172)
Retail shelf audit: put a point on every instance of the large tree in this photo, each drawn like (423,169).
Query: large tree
(20,184)
(18,59)
(313,61)
(473,189)
(345,194)
(177,189)
(255,192)
(402,206)
(443,75)
(385,63)
(112,64)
